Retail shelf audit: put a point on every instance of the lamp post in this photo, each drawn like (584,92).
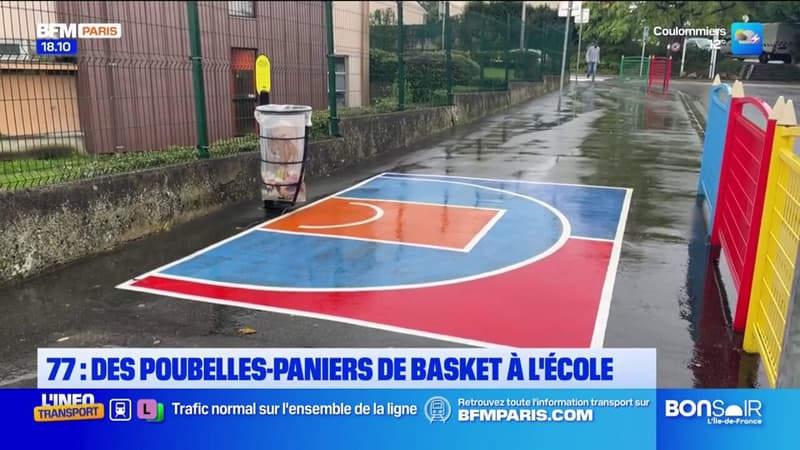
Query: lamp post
(645,32)
(583,17)
(566,11)
(522,29)
(683,51)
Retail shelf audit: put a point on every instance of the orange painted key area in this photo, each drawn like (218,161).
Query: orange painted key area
(440,226)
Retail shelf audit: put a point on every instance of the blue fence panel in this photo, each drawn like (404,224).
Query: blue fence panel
(711,164)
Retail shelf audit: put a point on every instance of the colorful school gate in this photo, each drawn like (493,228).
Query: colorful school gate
(659,74)
(634,67)
(750,183)
(657,70)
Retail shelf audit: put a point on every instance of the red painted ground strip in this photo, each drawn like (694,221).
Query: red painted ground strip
(538,305)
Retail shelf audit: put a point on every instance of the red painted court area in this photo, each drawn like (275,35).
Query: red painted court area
(472,261)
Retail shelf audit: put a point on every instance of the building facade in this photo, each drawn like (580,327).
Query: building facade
(351,47)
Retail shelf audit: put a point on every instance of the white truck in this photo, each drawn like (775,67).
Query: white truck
(779,43)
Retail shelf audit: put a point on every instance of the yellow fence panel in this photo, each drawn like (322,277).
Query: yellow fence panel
(776,256)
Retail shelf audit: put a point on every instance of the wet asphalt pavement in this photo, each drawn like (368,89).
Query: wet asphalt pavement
(665,296)
(769,92)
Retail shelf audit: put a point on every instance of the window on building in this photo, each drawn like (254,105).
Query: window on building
(244,98)
(241,9)
(341,81)
(14,50)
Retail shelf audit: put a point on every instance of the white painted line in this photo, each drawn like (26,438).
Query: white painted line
(409,202)
(484,231)
(565,234)
(312,315)
(378,214)
(466,249)
(584,238)
(363,239)
(604,309)
(413,175)
(243,233)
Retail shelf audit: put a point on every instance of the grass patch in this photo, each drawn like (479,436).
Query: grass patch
(496,73)
(38,171)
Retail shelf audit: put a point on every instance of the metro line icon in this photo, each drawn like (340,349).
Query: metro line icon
(119,410)
(150,410)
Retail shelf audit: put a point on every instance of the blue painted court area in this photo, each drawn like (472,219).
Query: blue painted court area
(537,219)
(592,211)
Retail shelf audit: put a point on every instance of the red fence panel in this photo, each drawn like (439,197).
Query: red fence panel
(660,72)
(740,201)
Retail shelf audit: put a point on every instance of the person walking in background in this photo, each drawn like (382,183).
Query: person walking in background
(592,60)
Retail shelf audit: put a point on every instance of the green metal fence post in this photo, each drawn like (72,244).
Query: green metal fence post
(507,56)
(621,65)
(401,65)
(197,78)
(447,56)
(481,49)
(333,118)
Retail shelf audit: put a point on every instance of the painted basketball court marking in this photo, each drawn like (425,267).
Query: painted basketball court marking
(463,228)
(202,275)
(377,214)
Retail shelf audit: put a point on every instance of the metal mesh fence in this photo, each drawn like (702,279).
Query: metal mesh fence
(544,45)
(128,103)
(179,82)
(484,49)
(408,59)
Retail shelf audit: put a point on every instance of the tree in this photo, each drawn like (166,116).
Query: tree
(619,25)
(431,11)
(386,16)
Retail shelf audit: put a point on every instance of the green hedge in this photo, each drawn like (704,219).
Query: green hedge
(526,65)
(382,65)
(425,74)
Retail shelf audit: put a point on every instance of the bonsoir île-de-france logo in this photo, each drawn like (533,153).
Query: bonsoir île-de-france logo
(717,412)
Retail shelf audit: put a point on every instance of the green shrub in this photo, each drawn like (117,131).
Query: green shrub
(527,66)
(319,125)
(490,58)
(465,69)
(385,104)
(48,151)
(382,65)
(729,65)
(425,73)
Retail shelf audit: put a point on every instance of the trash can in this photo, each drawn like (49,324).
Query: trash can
(283,142)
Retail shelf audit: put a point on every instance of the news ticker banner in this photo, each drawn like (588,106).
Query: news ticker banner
(331,419)
(618,419)
(336,368)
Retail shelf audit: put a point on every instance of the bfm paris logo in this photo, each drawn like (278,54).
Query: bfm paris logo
(716,412)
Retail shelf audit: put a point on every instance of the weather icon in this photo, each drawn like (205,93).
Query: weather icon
(747,37)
